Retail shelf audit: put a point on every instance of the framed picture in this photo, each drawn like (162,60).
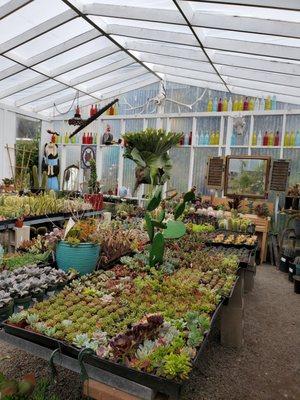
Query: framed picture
(247,176)
(88,152)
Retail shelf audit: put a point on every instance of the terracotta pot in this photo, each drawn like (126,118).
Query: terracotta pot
(19,222)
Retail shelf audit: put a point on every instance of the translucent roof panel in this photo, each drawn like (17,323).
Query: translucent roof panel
(29,16)
(49,50)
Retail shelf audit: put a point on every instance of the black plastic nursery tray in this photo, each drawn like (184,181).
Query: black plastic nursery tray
(163,385)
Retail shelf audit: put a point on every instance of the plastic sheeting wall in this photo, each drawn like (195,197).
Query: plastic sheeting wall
(7,137)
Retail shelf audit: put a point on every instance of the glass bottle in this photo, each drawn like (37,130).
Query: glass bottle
(254,139)
(230,104)
(209,105)
(298,138)
(220,105)
(259,139)
(274,103)
(215,104)
(292,138)
(276,139)
(225,105)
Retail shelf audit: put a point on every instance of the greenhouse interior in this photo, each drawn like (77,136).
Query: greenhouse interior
(149,199)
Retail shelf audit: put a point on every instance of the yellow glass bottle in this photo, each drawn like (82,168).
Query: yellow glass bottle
(271,139)
(268,103)
(235,105)
(209,105)
(241,104)
(251,104)
(225,105)
(287,139)
(292,138)
(254,139)
(212,138)
(217,137)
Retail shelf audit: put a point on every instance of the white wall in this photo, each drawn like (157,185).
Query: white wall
(7,137)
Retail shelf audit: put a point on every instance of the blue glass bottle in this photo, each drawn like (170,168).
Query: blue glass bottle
(206,138)
(215,104)
(233,139)
(274,103)
(298,138)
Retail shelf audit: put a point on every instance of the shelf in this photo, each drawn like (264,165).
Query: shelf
(209,145)
(265,147)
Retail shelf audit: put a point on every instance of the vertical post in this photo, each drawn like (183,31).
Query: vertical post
(276,208)
(282,135)
(63,161)
(192,153)
(121,159)
(222,124)
(250,134)
(229,134)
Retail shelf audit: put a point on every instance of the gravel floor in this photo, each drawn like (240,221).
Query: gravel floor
(267,368)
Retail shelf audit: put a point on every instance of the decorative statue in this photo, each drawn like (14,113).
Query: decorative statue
(50,164)
(107,137)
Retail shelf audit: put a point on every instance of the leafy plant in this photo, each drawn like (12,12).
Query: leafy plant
(149,150)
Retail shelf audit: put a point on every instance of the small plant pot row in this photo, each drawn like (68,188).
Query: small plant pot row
(23,303)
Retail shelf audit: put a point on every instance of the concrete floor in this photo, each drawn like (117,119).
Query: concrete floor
(267,368)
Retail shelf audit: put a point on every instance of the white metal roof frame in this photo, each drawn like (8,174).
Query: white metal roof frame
(103,48)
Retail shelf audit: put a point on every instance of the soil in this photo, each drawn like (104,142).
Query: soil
(267,368)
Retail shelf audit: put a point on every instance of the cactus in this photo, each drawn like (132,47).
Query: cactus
(36,183)
(44,180)
(171,230)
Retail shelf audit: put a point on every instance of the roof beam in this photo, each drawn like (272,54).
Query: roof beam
(50,53)
(237,23)
(5,73)
(195,82)
(42,93)
(103,85)
(187,13)
(255,63)
(292,5)
(112,67)
(251,47)
(22,86)
(167,50)
(81,61)
(262,76)
(129,86)
(263,86)
(80,14)
(162,15)
(38,30)
(152,34)
(180,63)
(204,76)
(245,91)
(12,6)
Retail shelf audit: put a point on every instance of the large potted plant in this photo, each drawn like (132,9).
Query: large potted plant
(149,150)
(80,248)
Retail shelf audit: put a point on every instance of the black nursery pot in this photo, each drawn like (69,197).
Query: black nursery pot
(297,284)
(285,262)
(23,302)
(292,271)
(6,311)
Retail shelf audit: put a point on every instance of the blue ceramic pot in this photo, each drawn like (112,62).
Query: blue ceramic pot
(83,257)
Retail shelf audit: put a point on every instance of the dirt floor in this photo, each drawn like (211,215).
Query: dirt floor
(267,368)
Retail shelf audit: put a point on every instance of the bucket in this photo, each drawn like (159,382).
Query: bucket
(83,257)
(6,311)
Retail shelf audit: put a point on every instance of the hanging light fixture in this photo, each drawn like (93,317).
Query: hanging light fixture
(76,120)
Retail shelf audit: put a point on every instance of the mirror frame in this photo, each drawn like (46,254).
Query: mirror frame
(267,175)
(64,178)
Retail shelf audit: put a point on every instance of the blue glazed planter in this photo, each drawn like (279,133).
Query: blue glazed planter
(83,257)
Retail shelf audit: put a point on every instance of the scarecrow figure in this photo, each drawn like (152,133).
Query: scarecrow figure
(50,164)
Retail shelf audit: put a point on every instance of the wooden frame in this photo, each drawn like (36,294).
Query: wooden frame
(208,182)
(267,174)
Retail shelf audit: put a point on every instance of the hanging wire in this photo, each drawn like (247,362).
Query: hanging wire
(71,106)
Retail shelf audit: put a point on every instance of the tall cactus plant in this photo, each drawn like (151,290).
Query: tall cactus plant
(149,150)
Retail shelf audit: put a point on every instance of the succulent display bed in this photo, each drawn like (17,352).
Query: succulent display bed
(145,324)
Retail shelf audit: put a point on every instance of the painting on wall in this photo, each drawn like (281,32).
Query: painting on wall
(88,152)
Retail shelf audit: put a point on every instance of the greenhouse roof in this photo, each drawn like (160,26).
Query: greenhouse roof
(50,49)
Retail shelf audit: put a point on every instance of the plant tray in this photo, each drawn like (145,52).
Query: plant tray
(163,385)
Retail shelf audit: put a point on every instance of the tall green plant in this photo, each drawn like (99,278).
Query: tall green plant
(159,230)
(149,150)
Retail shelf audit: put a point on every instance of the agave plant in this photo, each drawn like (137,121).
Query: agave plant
(149,150)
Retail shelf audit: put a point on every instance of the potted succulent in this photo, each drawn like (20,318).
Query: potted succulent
(80,248)
(8,184)
(6,305)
